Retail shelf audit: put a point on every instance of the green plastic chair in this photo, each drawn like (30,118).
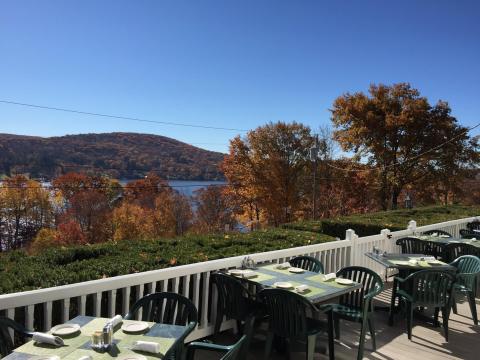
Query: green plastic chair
(357,305)
(474,225)
(437,233)
(469,234)
(411,245)
(7,344)
(232,352)
(235,302)
(168,308)
(307,263)
(468,270)
(288,319)
(454,251)
(427,288)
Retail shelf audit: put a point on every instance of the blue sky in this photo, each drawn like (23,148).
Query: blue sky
(226,63)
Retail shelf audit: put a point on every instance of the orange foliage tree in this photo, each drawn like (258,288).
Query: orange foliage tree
(215,212)
(25,208)
(266,167)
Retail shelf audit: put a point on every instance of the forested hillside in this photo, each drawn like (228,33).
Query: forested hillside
(120,155)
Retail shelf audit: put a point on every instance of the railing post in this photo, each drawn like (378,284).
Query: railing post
(386,239)
(412,226)
(350,236)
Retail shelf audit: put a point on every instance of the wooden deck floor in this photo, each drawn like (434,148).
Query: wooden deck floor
(427,343)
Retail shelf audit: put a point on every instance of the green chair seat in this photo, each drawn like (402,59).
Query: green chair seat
(347,312)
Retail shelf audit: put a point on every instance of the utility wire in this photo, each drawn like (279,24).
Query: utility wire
(409,159)
(119,117)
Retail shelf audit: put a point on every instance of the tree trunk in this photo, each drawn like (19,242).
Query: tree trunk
(395,194)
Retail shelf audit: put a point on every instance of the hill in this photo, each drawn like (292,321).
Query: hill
(120,155)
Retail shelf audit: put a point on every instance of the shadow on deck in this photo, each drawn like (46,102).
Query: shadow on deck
(427,342)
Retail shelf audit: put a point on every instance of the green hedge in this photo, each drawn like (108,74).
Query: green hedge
(20,271)
(373,223)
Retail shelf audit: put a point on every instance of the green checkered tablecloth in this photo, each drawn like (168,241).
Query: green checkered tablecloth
(79,345)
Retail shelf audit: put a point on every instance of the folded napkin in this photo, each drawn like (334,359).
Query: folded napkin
(476,230)
(301,288)
(413,261)
(284,265)
(117,319)
(147,346)
(330,276)
(47,339)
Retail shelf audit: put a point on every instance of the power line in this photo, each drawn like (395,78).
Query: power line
(119,117)
(409,159)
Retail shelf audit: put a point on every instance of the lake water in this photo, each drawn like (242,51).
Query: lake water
(187,187)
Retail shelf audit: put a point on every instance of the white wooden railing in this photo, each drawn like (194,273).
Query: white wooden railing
(106,297)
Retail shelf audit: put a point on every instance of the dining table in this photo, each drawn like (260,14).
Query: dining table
(446,240)
(79,345)
(406,264)
(320,290)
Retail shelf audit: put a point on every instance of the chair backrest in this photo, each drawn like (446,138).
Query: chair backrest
(437,233)
(232,296)
(7,344)
(453,251)
(235,351)
(469,267)
(307,263)
(287,312)
(474,225)
(430,287)
(413,246)
(469,234)
(372,285)
(165,308)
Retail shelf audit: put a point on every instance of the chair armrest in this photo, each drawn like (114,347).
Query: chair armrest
(193,346)
(399,279)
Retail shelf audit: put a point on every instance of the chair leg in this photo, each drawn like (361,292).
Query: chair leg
(269,344)
(248,331)
(371,327)
(392,302)
(336,326)
(454,304)
(239,327)
(473,306)
(435,317)
(361,344)
(409,319)
(218,323)
(331,344)
(445,315)
(311,341)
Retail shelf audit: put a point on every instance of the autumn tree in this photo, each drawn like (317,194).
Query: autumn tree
(144,191)
(24,209)
(88,201)
(397,132)
(215,212)
(265,168)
